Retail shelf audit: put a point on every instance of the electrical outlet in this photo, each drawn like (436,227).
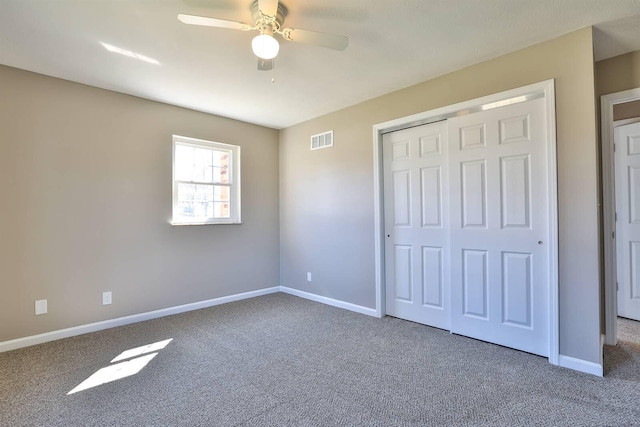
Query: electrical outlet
(308,277)
(41,307)
(106,298)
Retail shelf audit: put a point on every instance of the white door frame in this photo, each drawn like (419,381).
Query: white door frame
(609,209)
(544,89)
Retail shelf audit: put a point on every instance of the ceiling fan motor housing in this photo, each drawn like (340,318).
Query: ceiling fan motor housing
(279,18)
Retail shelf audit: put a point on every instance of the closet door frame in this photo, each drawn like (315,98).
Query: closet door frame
(546,90)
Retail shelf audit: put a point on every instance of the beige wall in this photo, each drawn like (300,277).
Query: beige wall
(618,73)
(85,178)
(326,196)
(627,110)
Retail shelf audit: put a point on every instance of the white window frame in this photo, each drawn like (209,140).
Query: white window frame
(234,182)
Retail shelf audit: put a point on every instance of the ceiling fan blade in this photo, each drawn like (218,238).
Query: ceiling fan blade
(265,64)
(268,7)
(330,41)
(212,22)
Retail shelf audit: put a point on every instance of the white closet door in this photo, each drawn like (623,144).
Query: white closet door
(499,226)
(416,224)
(627,161)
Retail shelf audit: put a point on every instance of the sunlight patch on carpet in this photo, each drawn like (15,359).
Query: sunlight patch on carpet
(142,350)
(123,369)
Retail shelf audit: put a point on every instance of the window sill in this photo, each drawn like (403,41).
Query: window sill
(180,223)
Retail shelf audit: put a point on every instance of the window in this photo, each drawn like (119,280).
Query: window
(206,182)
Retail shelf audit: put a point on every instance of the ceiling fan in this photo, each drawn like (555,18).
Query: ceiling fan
(268,17)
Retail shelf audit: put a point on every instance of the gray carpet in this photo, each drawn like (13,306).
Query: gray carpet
(279,360)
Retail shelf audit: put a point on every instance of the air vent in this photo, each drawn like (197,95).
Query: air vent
(322,140)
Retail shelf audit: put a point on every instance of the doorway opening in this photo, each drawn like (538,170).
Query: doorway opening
(620,123)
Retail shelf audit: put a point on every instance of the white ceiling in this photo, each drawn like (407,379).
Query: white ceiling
(393,44)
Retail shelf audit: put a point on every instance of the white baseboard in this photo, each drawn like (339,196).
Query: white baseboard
(564,361)
(581,365)
(330,301)
(121,321)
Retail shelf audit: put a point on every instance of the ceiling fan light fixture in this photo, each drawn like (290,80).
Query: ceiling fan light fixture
(265,46)
(268,18)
